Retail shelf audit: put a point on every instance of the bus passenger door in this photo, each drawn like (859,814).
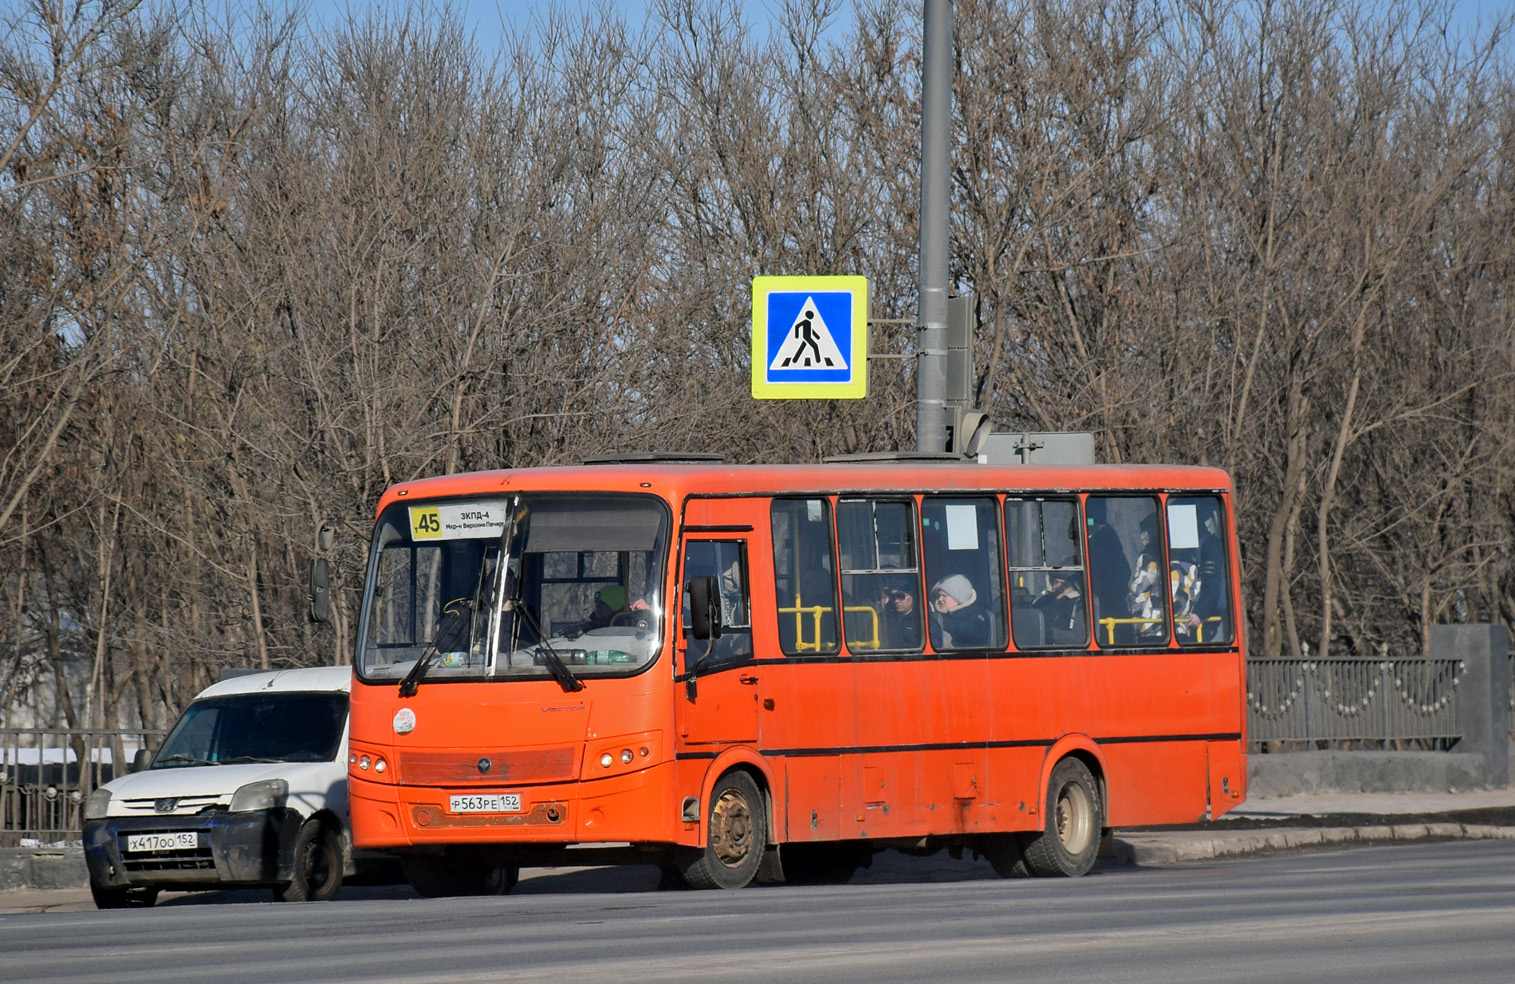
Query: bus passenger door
(717,697)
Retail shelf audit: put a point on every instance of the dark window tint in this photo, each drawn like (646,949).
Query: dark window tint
(263,727)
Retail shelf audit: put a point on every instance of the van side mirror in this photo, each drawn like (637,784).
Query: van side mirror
(320,590)
(704,607)
(141,760)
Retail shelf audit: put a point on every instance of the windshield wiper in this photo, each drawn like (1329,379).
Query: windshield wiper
(246,759)
(447,634)
(558,668)
(179,757)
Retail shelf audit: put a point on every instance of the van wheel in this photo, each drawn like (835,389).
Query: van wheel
(736,836)
(1074,817)
(317,867)
(123,898)
(441,876)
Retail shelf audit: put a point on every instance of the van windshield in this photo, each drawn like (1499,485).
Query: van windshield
(582,588)
(261,727)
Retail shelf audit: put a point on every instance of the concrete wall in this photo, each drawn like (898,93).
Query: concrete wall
(1293,773)
(34,867)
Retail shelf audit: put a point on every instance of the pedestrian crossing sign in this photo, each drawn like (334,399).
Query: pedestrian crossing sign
(809,338)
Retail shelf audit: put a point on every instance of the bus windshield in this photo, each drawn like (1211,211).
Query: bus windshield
(581,587)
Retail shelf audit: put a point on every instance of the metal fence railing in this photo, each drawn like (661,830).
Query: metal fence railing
(1393,702)
(46,774)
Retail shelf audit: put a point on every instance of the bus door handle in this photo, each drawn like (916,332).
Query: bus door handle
(750,681)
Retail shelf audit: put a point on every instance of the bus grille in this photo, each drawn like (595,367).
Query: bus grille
(506,765)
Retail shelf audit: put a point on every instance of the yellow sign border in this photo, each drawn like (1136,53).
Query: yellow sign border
(857,358)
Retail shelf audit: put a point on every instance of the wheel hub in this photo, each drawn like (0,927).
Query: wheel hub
(731,828)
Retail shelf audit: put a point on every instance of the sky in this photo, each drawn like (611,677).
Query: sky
(485,17)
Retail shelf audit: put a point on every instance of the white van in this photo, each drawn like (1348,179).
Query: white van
(249,788)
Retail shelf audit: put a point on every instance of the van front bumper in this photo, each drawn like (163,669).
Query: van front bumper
(231,850)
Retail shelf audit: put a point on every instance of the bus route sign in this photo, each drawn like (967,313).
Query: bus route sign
(809,338)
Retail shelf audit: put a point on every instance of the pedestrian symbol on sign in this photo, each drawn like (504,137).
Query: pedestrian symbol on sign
(810,338)
(809,343)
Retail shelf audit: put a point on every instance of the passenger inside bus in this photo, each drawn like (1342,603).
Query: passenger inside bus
(901,620)
(1109,570)
(1062,608)
(957,621)
(1145,599)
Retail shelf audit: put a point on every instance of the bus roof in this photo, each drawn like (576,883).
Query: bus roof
(676,481)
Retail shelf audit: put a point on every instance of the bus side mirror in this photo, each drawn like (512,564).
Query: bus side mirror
(704,607)
(320,590)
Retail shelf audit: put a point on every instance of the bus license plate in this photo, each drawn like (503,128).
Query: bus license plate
(487,803)
(176,840)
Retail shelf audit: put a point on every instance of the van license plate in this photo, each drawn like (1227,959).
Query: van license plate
(178,840)
(486,803)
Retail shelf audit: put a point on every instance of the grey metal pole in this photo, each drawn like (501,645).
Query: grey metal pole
(936,129)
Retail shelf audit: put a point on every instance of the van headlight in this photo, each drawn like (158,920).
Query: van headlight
(266,794)
(98,805)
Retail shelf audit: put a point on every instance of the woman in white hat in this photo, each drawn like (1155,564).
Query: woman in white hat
(957,623)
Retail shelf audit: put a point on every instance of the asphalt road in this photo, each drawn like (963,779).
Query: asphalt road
(1398,913)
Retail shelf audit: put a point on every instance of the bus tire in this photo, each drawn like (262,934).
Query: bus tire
(1069,840)
(317,866)
(736,836)
(442,876)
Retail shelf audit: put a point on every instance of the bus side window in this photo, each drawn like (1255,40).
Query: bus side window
(881,583)
(1048,594)
(803,578)
(1198,570)
(960,541)
(727,560)
(1126,571)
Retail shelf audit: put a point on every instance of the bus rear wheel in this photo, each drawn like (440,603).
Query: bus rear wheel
(440,876)
(1074,817)
(736,836)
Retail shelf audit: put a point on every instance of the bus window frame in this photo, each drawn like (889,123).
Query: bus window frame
(878,573)
(1080,567)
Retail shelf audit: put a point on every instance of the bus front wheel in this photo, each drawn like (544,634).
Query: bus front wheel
(1069,839)
(736,836)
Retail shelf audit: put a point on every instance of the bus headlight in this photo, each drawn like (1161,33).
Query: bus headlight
(98,805)
(266,794)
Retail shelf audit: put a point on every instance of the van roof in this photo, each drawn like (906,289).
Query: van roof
(314,678)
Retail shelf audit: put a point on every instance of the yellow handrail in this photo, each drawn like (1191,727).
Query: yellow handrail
(800,611)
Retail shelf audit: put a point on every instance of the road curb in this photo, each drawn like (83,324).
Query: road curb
(1179,846)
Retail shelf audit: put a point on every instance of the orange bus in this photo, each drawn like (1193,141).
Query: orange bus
(721,668)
